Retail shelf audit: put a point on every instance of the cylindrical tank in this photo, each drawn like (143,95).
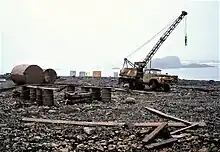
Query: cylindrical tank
(27,74)
(50,76)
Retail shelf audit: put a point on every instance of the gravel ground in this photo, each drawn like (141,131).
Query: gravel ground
(189,104)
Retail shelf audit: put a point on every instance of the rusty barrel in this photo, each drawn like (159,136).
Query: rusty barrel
(85,89)
(32,94)
(25,93)
(96,93)
(106,94)
(71,88)
(27,74)
(39,97)
(50,76)
(48,99)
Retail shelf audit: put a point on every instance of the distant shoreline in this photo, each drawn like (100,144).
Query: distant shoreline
(190,67)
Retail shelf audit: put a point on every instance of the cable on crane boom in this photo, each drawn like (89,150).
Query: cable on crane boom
(145,43)
(186,31)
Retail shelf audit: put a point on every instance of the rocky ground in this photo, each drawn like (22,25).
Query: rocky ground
(190,103)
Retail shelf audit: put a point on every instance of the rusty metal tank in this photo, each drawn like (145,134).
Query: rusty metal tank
(27,74)
(50,76)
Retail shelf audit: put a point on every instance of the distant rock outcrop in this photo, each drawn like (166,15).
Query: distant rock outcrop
(171,62)
(166,62)
(195,65)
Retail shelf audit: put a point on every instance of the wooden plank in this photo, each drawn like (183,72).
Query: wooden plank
(179,136)
(185,128)
(48,88)
(84,123)
(32,86)
(167,116)
(42,87)
(162,143)
(78,123)
(155,124)
(119,89)
(154,133)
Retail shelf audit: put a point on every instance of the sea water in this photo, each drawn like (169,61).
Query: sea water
(209,73)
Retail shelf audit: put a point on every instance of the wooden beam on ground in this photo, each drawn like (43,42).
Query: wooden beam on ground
(78,123)
(154,133)
(167,116)
(84,123)
(156,124)
(185,128)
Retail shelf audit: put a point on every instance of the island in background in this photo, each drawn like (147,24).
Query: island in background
(171,62)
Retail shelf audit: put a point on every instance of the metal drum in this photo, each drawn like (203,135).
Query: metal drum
(106,94)
(25,93)
(96,93)
(32,94)
(48,97)
(27,74)
(39,97)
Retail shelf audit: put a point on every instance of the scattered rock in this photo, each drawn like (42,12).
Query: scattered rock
(89,130)
(203,150)
(52,111)
(129,100)
(111,147)
(189,104)
(64,150)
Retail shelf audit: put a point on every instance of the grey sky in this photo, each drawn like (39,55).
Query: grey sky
(92,34)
